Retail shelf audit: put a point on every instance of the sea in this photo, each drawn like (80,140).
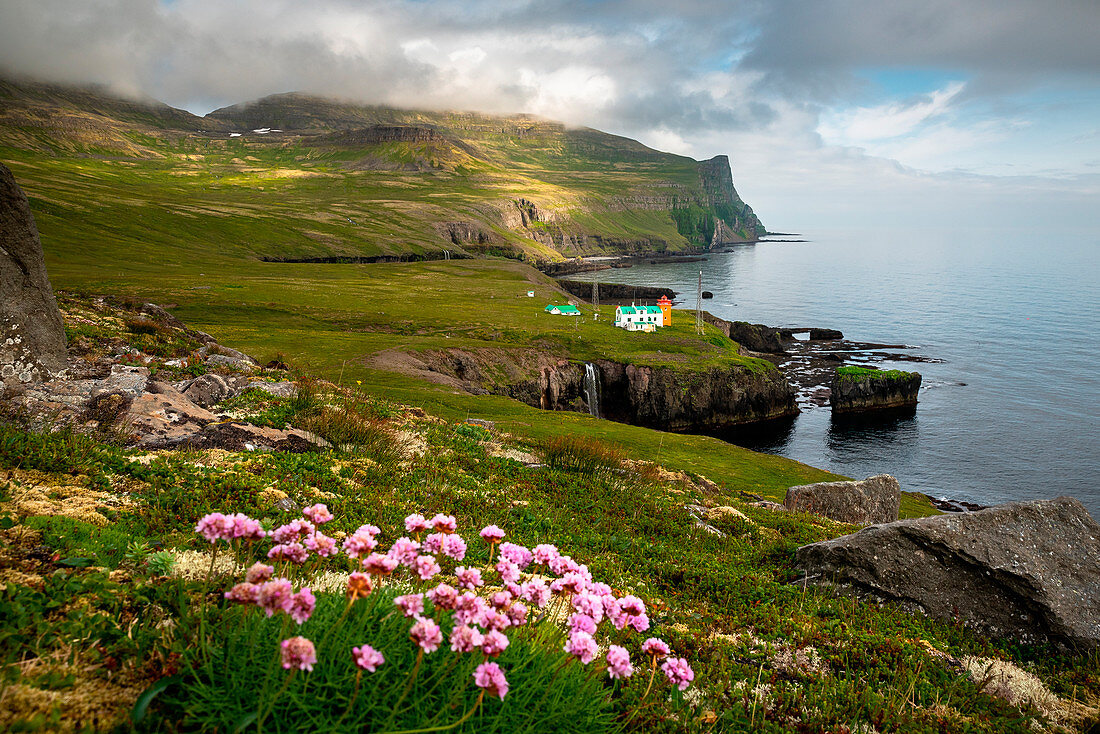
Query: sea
(1010,409)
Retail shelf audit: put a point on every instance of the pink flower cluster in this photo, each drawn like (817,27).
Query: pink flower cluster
(480,624)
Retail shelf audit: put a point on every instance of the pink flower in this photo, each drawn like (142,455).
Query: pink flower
(246,528)
(572,581)
(468,578)
(215,526)
(495,620)
(411,604)
(426,567)
(454,547)
(404,550)
(379,564)
(427,634)
(640,622)
(656,647)
(614,612)
(517,613)
(293,531)
(590,604)
(679,673)
(258,573)
(581,645)
(490,677)
(245,593)
(470,609)
(444,596)
(367,658)
(582,623)
(465,639)
(359,585)
(416,523)
(545,552)
(535,591)
(321,544)
(562,565)
(276,596)
(492,534)
(632,605)
(293,552)
(618,662)
(517,554)
(318,513)
(493,643)
(500,599)
(299,653)
(508,570)
(359,543)
(302,605)
(433,543)
(444,523)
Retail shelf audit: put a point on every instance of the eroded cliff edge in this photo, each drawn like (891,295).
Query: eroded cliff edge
(663,397)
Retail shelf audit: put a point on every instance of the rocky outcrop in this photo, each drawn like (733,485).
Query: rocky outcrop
(858,390)
(754,337)
(32,337)
(876,499)
(1023,570)
(825,335)
(658,397)
(707,399)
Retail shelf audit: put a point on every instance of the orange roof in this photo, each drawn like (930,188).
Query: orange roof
(664,301)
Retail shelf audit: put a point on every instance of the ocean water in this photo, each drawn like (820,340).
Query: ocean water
(1012,412)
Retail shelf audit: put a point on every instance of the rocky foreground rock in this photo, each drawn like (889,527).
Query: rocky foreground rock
(32,337)
(876,499)
(1024,570)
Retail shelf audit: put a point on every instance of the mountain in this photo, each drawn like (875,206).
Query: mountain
(297,177)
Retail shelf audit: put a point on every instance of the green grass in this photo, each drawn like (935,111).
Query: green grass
(852,372)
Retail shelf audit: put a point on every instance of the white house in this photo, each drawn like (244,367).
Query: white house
(639,318)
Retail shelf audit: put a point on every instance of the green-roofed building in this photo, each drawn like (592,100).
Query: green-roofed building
(566,310)
(639,318)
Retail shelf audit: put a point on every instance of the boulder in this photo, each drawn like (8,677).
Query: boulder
(234,363)
(756,337)
(32,336)
(825,335)
(277,389)
(874,500)
(708,294)
(1024,570)
(208,390)
(870,390)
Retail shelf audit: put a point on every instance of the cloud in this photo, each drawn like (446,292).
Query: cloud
(779,85)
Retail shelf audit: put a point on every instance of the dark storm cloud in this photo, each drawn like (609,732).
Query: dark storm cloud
(810,47)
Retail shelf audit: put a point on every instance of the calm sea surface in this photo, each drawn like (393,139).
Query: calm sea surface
(1017,319)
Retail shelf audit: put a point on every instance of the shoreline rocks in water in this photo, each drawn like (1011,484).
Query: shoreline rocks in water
(876,499)
(860,389)
(1023,570)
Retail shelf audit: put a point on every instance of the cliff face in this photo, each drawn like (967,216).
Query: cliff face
(660,397)
(657,397)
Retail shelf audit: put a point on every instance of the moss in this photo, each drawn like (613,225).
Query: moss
(851,372)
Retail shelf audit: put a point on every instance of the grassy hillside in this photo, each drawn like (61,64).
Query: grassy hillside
(343,180)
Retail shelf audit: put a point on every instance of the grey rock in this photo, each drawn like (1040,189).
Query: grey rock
(769,505)
(278,389)
(207,390)
(32,336)
(876,499)
(224,360)
(126,379)
(158,314)
(1024,570)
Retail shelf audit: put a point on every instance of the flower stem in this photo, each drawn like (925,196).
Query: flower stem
(264,714)
(354,696)
(408,687)
(460,722)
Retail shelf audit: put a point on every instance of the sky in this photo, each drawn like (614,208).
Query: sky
(834,113)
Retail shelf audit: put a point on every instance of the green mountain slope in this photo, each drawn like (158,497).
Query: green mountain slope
(296,177)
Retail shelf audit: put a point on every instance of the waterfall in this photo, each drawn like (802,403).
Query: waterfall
(592,388)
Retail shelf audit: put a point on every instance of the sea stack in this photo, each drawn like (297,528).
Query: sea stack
(861,390)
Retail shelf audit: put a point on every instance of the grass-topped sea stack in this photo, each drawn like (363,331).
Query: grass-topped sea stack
(862,389)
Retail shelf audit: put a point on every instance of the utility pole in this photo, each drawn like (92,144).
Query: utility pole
(596,298)
(699,306)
